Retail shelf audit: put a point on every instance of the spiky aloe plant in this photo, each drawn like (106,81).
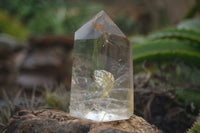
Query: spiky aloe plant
(190,35)
(165,45)
(192,24)
(166,50)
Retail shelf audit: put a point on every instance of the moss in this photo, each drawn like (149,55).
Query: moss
(196,126)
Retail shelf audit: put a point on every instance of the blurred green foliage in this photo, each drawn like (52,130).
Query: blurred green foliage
(127,25)
(137,39)
(189,97)
(193,10)
(50,16)
(58,99)
(9,25)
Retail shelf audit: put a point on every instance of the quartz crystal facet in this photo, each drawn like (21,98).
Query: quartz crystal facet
(102,82)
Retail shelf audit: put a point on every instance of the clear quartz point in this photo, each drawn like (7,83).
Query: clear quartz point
(102,73)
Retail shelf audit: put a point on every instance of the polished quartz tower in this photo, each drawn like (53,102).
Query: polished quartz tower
(102,73)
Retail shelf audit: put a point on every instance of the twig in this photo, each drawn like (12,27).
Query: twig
(147,109)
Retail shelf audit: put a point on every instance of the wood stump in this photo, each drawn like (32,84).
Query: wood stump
(53,121)
(47,63)
(8,48)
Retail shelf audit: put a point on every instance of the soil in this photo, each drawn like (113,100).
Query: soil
(160,107)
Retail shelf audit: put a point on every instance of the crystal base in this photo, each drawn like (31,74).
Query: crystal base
(102,116)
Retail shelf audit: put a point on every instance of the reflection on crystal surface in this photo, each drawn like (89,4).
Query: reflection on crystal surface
(102,86)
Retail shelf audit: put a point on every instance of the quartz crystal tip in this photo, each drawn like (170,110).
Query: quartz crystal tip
(101,23)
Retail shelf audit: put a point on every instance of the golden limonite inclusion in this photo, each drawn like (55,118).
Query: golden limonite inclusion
(102,77)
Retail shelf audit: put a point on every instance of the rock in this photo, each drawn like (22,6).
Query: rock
(53,121)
